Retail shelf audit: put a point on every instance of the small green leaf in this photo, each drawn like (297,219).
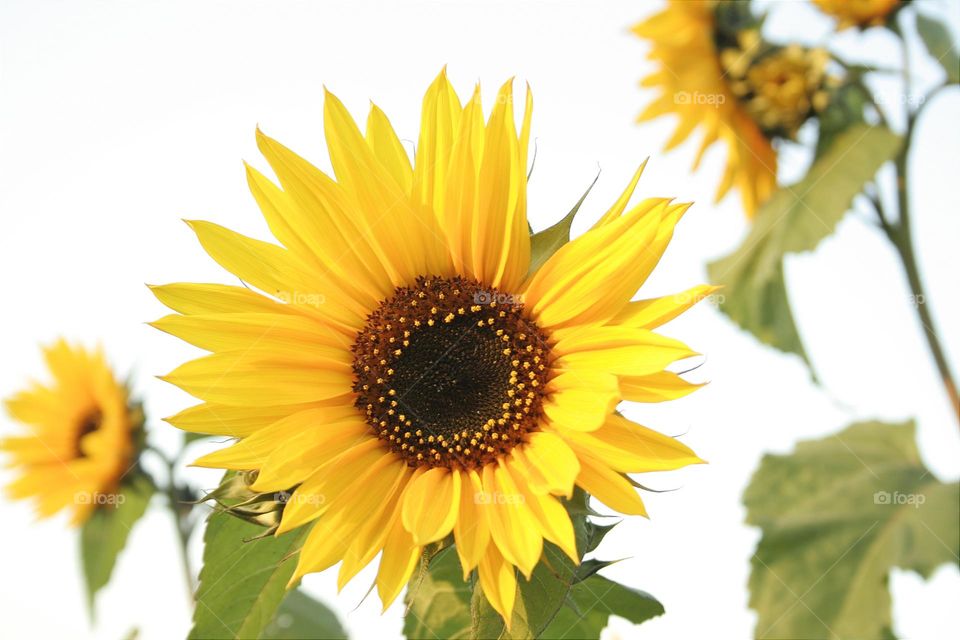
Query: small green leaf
(593,601)
(300,617)
(243,580)
(545,243)
(940,45)
(794,220)
(105,533)
(836,515)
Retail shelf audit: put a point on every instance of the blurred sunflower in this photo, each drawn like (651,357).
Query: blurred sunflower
(82,434)
(404,371)
(861,13)
(715,73)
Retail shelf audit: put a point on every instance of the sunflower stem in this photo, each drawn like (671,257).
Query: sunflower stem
(172,493)
(901,236)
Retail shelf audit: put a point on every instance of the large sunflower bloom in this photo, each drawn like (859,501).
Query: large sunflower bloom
(403,370)
(695,86)
(81,439)
(862,13)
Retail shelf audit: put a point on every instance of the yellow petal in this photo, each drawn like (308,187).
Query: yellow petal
(581,399)
(656,387)
(190,298)
(332,225)
(388,149)
(548,463)
(368,541)
(618,350)
(285,335)
(319,491)
(439,124)
(512,526)
(620,205)
(301,230)
(252,451)
(225,420)
(628,447)
(499,583)
(471,531)
(430,505)
(501,244)
(553,521)
(654,312)
(411,234)
(400,556)
(331,536)
(609,487)
(589,279)
(279,273)
(245,379)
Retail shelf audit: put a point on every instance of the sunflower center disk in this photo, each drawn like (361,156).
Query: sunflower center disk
(451,373)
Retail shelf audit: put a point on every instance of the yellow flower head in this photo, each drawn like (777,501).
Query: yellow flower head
(736,88)
(861,13)
(403,369)
(81,434)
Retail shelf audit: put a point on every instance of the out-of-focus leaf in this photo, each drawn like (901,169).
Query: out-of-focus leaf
(300,617)
(836,515)
(105,533)
(794,220)
(243,580)
(940,45)
(544,244)
(593,601)
(846,109)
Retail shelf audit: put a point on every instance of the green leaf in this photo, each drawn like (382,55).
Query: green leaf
(593,601)
(104,534)
(940,45)
(300,617)
(545,243)
(538,601)
(243,580)
(442,605)
(836,515)
(794,220)
(438,600)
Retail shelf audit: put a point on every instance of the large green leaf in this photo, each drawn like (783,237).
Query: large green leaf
(300,617)
(836,515)
(940,44)
(105,533)
(794,220)
(243,580)
(593,601)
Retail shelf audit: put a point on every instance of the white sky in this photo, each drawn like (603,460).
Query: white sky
(119,118)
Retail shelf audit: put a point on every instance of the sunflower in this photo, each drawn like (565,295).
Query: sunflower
(860,13)
(402,370)
(82,434)
(716,73)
